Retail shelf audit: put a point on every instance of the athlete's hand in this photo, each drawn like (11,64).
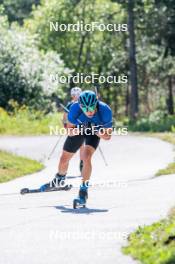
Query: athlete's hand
(104,133)
(72,130)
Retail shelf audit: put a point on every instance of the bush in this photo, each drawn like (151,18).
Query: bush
(158,121)
(25,71)
(25,121)
(18,10)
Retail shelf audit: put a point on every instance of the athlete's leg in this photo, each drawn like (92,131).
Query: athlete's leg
(81,152)
(91,143)
(71,145)
(87,165)
(81,157)
(59,179)
(64,162)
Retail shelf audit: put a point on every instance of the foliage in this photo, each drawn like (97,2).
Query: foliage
(68,43)
(18,10)
(157,121)
(100,52)
(25,121)
(80,51)
(154,243)
(12,166)
(169,137)
(25,71)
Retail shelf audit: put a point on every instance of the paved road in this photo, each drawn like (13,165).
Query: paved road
(43,228)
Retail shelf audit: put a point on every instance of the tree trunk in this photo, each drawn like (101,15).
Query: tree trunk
(127,101)
(170,100)
(133,65)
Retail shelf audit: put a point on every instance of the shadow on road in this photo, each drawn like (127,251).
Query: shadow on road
(86,210)
(141,180)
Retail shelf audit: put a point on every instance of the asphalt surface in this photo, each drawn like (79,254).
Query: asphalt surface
(43,228)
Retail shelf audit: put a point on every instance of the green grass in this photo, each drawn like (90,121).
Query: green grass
(27,122)
(12,166)
(23,121)
(169,137)
(154,244)
(170,169)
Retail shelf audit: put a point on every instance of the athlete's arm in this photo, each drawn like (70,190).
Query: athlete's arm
(65,119)
(65,115)
(105,132)
(72,128)
(73,114)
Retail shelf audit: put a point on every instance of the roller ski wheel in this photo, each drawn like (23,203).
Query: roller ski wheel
(24,191)
(78,203)
(68,187)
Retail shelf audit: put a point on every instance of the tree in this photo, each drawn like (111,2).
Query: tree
(132,59)
(100,52)
(18,10)
(24,70)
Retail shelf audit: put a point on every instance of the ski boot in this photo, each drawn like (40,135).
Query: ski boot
(81,165)
(82,198)
(57,183)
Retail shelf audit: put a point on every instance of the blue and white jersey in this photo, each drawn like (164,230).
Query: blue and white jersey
(68,106)
(102,117)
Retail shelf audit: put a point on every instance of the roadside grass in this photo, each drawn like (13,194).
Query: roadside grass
(170,169)
(12,166)
(27,122)
(23,121)
(169,137)
(154,244)
(166,136)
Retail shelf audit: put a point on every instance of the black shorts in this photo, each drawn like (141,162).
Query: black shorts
(72,144)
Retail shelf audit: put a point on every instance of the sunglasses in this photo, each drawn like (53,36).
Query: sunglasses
(88,108)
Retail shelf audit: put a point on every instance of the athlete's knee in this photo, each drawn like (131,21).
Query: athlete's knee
(87,156)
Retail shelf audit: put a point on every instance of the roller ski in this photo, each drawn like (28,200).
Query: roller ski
(80,202)
(57,184)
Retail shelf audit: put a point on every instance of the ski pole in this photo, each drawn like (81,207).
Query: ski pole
(51,153)
(103,156)
(65,108)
